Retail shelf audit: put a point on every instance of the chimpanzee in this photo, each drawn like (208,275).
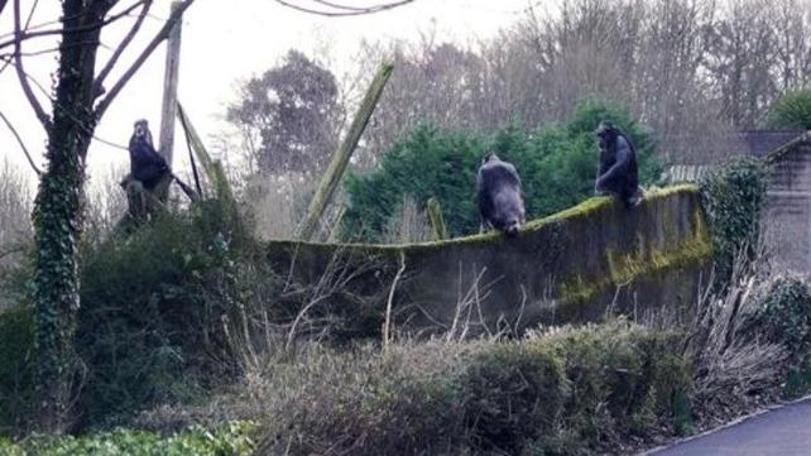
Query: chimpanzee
(500,203)
(146,165)
(618,174)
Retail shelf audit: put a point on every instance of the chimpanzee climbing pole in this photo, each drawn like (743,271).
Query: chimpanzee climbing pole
(340,160)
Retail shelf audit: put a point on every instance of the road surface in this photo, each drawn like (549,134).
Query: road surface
(785,431)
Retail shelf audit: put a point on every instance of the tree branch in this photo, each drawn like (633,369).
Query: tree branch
(20,141)
(98,84)
(162,34)
(21,76)
(83,28)
(27,25)
(343,7)
(343,10)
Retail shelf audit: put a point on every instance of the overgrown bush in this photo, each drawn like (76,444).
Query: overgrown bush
(733,196)
(565,392)
(146,328)
(792,110)
(513,393)
(182,304)
(784,316)
(230,439)
(557,165)
(16,377)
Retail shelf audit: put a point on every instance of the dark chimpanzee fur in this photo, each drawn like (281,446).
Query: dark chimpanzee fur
(500,203)
(618,174)
(146,165)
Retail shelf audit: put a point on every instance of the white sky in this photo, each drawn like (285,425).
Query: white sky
(223,42)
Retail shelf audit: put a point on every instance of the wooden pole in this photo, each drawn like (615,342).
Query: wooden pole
(340,159)
(169,106)
(439,231)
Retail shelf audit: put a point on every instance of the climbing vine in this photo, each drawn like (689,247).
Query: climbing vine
(733,196)
(57,216)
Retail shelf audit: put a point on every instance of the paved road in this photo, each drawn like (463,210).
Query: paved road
(786,431)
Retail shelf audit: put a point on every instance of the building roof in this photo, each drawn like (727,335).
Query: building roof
(768,144)
(761,142)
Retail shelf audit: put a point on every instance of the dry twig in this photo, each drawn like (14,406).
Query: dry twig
(390,300)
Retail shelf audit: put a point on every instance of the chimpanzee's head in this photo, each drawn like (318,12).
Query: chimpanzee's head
(141,132)
(606,134)
(490,156)
(514,223)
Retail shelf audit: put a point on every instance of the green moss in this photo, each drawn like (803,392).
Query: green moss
(584,209)
(624,268)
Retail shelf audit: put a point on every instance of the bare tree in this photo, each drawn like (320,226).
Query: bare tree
(740,56)
(791,21)
(338,9)
(15,207)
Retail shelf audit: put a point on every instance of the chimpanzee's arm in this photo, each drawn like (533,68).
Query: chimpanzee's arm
(155,158)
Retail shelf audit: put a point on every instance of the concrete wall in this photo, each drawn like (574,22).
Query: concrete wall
(570,266)
(787,221)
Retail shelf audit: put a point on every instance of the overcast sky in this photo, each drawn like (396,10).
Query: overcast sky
(223,42)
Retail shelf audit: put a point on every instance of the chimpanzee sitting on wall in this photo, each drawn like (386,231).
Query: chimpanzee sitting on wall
(618,174)
(500,203)
(146,166)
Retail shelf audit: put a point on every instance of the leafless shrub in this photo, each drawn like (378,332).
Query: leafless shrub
(278,316)
(16,231)
(106,202)
(734,369)
(277,204)
(16,203)
(409,225)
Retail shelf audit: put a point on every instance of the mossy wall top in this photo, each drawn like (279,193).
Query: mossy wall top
(564,267)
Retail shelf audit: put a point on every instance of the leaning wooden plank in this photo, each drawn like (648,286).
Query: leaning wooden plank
(221,186)
(196,143)
(213,168)
(340,159)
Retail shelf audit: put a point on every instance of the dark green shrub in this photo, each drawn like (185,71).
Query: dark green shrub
(624,379)
(514,394)
(557,167)
(733,196)
(16,379)
(792,110)
(148,326)
(798,380)
(785,315)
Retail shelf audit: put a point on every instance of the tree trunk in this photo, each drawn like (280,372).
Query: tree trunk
(57,215)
